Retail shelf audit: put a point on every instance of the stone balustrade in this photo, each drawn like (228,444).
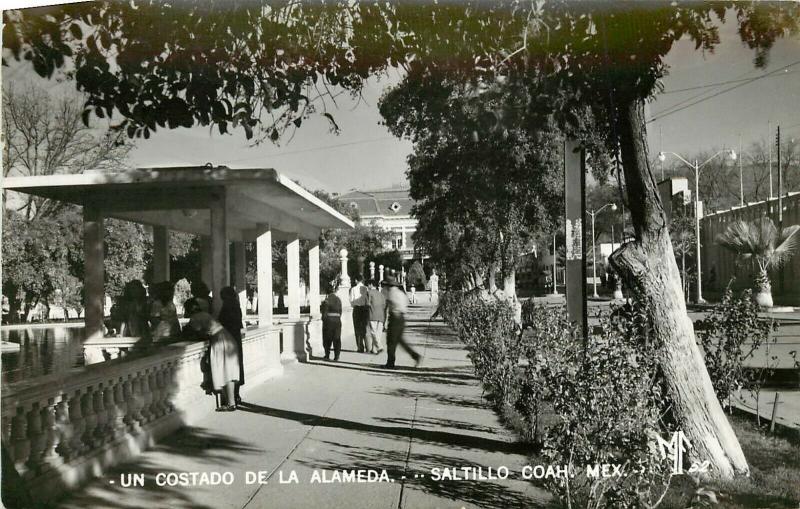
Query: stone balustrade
(65,428)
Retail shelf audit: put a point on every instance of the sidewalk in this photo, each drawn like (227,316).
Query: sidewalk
(345,415)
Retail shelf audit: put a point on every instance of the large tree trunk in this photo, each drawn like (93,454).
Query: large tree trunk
(648,267)
(510,283)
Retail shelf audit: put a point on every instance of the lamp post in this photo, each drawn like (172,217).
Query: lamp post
(662,156)
(555,285)
(593,213)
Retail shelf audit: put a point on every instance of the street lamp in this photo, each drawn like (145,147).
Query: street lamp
(593,213)
(661,157)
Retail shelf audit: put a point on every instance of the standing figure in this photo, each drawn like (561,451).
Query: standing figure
(202,295)
(134,310)
(434,284)
(223,356)
(377,313)
(396,309)
(163,315)
(413,294)
(331,309)
(230,317)
(358,299)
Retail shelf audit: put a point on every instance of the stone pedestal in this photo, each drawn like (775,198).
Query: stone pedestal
(343,292)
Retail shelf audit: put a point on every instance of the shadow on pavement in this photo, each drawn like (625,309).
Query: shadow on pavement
(210,448)
(456,441)
(475,492)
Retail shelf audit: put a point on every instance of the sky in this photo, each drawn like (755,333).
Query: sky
(365,155)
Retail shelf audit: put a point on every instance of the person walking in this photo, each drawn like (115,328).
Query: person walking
(230,317)
(358,299)
(396,309)
(377,313)
(331,309)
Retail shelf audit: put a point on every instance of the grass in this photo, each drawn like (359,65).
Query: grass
(774,461)
(774,480)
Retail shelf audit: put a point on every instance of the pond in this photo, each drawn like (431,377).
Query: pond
(43,350)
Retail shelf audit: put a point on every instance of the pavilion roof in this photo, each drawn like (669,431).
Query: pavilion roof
(179,198)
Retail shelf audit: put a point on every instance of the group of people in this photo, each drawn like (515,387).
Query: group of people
(375,311)
(155,316)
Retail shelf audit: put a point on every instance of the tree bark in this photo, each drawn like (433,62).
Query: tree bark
(492,278)
(648,266)
(510,283)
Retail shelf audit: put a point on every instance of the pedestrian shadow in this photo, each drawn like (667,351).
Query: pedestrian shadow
(454,440)
(416,476)
(199,444)
(437,397)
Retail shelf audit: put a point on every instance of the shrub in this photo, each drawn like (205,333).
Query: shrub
(729,336)
(606,401)
(492,337)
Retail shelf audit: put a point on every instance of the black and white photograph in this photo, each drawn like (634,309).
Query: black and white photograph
(428,254)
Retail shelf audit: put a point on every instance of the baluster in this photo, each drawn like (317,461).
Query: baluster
(142,394)
(76,419)
(101,431)
(50,457)
(64,429)
(157,386)
(170,385)
(20,444)
(134,404)
(37,439)
(89,418)
(114,403)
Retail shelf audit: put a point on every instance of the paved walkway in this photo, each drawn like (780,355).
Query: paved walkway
(345,415)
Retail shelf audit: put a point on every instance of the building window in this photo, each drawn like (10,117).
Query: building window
(397,242)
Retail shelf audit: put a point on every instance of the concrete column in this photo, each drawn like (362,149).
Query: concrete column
(94,259)
(239,269)
(205,259)
(220,272)
(293,277)
(380,272)
(264,276)
(160,254)
(313,279)
(372,270)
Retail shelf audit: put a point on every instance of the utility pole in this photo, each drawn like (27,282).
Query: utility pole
(769,129)
(780,199)
(780,180)
(741,178)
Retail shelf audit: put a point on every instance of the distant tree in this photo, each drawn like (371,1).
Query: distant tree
(416,276)
(482,192)
(47,136)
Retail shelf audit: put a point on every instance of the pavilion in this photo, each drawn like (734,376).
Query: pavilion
(220,204)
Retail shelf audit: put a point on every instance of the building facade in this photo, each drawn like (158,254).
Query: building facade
(389,208)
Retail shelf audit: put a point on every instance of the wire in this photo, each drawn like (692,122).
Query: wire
(670,111)
(720,83)
(313,149)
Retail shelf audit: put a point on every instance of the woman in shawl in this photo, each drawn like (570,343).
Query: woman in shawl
(223,357)
(230,316)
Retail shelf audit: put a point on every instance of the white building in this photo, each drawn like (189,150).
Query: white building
(389,208)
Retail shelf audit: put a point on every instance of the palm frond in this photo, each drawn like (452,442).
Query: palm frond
(760,239)
(789,244)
